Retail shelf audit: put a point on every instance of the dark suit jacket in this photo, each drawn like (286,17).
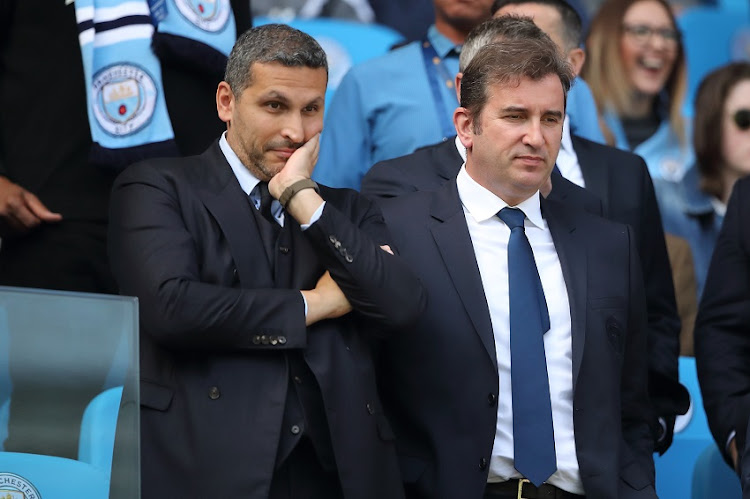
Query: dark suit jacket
(722,329)
(437,381)
(621,182)
(185,240)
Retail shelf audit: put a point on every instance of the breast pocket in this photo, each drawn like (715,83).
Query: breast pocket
(610,312)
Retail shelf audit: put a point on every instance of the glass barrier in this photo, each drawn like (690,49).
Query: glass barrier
(68,395)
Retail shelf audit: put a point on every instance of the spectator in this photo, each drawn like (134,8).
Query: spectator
(694,207)
(722,331)
(636,70)
(389,106)
(54,198)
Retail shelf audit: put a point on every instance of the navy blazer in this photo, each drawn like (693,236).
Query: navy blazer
(440,382)
(618,187)
(722,328)
(185,240)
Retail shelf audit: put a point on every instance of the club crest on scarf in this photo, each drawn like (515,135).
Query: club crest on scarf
(208,15)
(124,99)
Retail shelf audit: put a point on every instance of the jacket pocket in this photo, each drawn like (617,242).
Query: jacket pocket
(155,396)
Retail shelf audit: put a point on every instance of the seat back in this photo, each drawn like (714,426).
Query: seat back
(712,37)
(35,476)
(98,427)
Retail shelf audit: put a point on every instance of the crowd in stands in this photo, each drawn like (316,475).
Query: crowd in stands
(676,180)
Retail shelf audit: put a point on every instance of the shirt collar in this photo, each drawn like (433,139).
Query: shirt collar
(247,180)
(440,43)
(567,142)
(461,148)
(482,204)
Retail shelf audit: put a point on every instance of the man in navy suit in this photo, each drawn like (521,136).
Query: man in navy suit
(447,385)
(618,179)
(722,331)
(259,293)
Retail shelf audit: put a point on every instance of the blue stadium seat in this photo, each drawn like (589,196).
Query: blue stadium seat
(713,478)
(346,43)
(98,429)
(712,37)
(50,477)
(676,468)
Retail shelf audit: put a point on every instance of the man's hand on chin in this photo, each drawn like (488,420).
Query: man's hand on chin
(299,166)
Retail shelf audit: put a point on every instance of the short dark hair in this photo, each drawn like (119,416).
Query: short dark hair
(510,27)
(571,21)
(271,43)
(507,63)
(708,129)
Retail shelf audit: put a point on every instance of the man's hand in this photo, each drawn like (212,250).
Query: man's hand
(299,166)
(20,210)
(666,434)
(326,301)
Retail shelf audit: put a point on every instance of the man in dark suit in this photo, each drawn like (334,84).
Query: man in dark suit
(258,298)
(618,178)
(54,201)
(722,331)
(452,388)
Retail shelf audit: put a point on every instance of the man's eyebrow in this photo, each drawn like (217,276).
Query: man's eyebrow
(554,112)
(274,94)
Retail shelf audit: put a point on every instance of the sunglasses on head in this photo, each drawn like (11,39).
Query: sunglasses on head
(741,118)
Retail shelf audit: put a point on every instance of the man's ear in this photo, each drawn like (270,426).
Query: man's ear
(459,76)
(576,58)
(224,102)
(462,120)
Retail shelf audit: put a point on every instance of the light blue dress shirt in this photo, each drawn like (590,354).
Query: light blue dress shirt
(383,109)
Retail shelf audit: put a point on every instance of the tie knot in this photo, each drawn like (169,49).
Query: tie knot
(513,217)
(265,201)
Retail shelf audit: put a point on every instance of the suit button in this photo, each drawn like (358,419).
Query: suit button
(370,409)
(297,380)
(483,463)
(332,239)
(264,339)
(273,339)
(337,244)
(214,393)
(256,340)
(295,430)
(348,258)
(282,340)
(283,249)
(491,398)
(234,273)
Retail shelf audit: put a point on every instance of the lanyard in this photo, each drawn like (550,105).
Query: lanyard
(437,73)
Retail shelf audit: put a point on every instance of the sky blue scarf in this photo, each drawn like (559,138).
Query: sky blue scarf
(122,42)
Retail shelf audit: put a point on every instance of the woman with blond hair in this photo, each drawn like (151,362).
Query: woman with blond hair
(635,67)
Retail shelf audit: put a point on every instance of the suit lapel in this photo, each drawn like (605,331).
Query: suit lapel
(594,174)
(454,243)
(571,251)
(227,202)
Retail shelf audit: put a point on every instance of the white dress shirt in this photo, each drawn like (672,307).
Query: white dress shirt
(489,237)
(567,159)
